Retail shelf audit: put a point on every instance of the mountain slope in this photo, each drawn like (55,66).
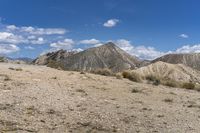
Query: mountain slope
(106,56)
(177,72)
(191,60)
(55,56)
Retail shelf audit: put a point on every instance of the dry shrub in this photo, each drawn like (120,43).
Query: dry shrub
(55,64)
(190,86)
(168,100)
(119,76)
(170,83)
(155,80)
(132,76)
(197,87)
(104,72)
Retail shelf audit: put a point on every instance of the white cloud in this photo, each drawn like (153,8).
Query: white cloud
(184,36)
(139,51)
(37,31)
(65,44)
(29,47)
(111,23)
(39,40)
(7,37)
(8,48)
(189,49)
(91,41)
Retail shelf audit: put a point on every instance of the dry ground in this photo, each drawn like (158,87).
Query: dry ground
(45,100)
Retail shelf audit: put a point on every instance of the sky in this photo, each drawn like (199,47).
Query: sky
(144,28)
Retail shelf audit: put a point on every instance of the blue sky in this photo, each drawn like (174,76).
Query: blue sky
(145,28)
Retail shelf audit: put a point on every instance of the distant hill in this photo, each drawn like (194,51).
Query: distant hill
(106,56)
(176,72)
(16,60)
(191,60)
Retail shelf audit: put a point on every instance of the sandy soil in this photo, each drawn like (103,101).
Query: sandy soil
(45,100)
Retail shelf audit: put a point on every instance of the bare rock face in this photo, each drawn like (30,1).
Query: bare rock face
(106,56)
(53,56)
(176,72)
(191,60)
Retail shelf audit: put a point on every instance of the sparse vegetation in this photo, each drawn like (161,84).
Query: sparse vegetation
(5,77)
(170,83)
(134,90)
(82,72)
(15,69)
(168,100)
(119,76)
(155,80)
(190,86)
(132,76)
(104,72)
(55,64)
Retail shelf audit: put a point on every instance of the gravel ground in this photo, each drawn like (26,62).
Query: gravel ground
(45,100)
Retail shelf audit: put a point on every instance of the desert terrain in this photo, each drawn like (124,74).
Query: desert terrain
(45,100)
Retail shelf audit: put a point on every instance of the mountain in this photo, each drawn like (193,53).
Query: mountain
(53,56)
(177,72)
(16,60)
(191,60)
(106,56)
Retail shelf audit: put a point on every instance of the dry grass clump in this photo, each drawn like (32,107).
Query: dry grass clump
(155,80)
(119,76)
(170,83)
(132,76)
(15,69)
(190,86)
(134,90)
(104,72)
(168,100)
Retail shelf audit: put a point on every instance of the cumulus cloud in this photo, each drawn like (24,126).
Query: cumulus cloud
(93,42)
(139,51)
(8,48)
(65,44)
(90,41)
(29,47)
(37,31)
(6,37)
(183,36)
(189,49)
(111,23)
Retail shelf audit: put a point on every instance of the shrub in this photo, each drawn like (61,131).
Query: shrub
(82,72)
(197,87)
(168,100)
(132,76)
(170,83)
(154,79)
(55,64)
(188,86)
(119,76)
(135,90)
(104,72)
